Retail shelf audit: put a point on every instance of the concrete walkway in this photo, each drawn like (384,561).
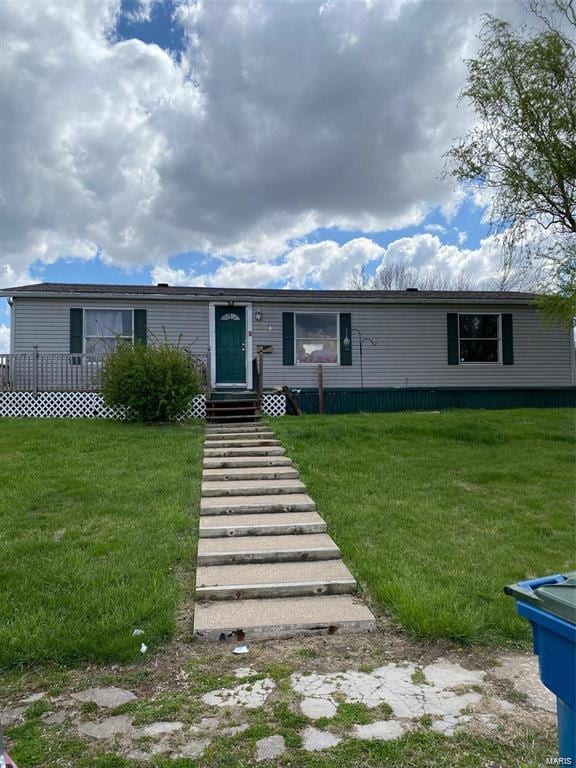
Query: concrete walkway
(266,566)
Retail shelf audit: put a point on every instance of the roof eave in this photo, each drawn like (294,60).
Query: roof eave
(411,299)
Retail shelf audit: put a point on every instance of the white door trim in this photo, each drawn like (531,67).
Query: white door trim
(248,344)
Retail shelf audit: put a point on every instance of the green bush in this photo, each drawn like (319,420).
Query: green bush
(154,383)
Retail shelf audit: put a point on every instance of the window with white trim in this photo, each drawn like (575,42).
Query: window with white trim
(479,338)
(104,329)
(316,338)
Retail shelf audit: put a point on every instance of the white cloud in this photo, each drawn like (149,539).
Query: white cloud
(326,263)
(4,338)
(279,119)
(427,253)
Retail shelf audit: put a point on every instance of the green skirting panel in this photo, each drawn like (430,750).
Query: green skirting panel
(378,400)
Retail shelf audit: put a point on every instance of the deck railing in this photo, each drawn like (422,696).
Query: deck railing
(57,372)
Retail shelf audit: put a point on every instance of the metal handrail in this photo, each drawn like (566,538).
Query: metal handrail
(61,372)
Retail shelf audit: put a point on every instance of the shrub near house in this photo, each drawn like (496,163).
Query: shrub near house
(153,383)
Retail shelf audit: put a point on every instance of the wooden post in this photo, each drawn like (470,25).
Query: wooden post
(35,370)
(208,373)
(260,373)
(320,389)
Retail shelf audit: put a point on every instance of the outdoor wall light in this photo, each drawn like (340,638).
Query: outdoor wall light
(258,314)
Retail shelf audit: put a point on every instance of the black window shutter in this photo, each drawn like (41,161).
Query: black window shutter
(345,338)
(507,340)
(76,330)
(287,338)
(140,333)
(453,351)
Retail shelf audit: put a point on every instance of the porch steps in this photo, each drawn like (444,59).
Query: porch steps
(266,566)
(231,462)
(236,582)
(247,549)
(236,411)
(281,617)
(257,504)
(274,524)
(243,442)
(263,450)
(251,487)
(251,473)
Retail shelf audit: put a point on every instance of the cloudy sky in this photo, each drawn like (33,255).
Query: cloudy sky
(272,143)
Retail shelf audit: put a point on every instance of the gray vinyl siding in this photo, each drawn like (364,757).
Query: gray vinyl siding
(411,348)
(46,322)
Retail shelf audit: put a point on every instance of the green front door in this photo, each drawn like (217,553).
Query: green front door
(230,345)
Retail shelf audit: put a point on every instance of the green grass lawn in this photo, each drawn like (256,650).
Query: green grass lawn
(97,524)
(436,512)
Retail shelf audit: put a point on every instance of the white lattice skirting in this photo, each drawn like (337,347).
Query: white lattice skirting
(89,405)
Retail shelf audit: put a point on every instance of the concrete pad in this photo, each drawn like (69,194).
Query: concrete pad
(109,697)
(243,672)
(381,730)
(246,461)
(521,671)
(275,523)
(314,740)
(193,748)
(318,708)
(159,728)
(392,684)
(54,718)
(11,715)
(108,728)
(237,505)
(269,748)
(282,617)
(251,473)
(445,674)
(251,487)
(248,695)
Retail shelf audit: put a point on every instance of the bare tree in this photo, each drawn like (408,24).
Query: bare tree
(399,277)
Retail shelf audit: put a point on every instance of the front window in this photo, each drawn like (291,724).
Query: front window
(104,329)
(479,338)
(316,337)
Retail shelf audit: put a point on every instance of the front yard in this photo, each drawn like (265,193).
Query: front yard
(433,512)
(95,529)
(436,512)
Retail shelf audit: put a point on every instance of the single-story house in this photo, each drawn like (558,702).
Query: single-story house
(400,349)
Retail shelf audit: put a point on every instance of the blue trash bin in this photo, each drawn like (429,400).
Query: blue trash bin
(549,604)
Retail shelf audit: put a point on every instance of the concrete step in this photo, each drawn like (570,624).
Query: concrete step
(236,462)
(237,505)
(275,524)
(246,442)
(224,429)
(281,617)
(215,437)
(265,450)
(251,487)
(266,549)
(274,580)
(251,473)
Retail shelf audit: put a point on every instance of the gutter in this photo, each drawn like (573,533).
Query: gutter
(257,298)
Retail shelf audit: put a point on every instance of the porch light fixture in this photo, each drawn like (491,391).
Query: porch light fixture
(258,314)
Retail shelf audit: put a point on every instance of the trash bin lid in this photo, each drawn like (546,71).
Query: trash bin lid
(553,594)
